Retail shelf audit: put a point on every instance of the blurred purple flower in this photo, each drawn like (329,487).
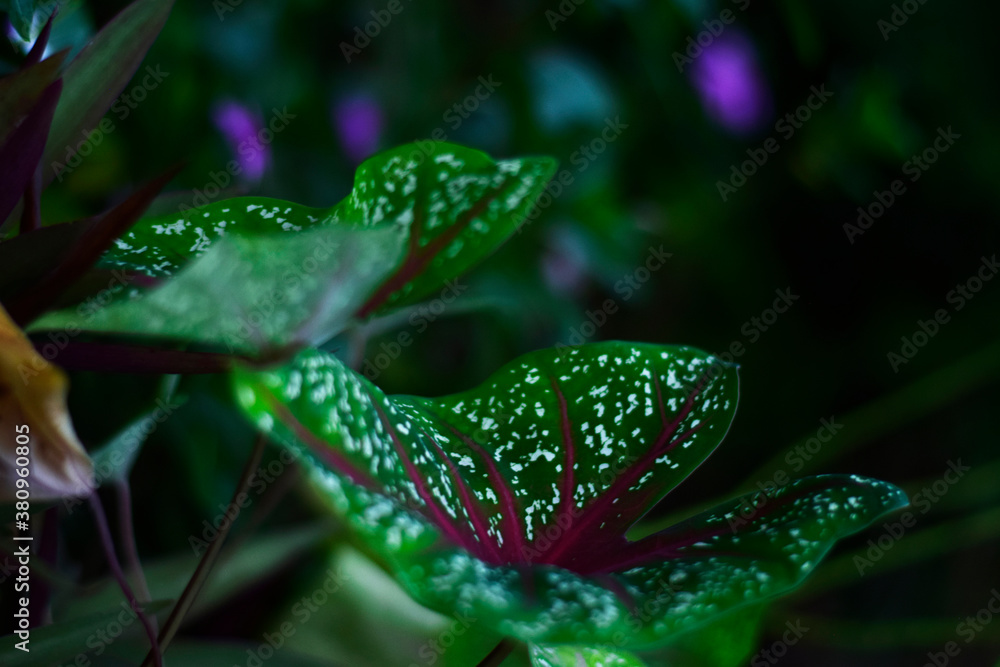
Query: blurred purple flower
(730,84)
(241,128)
(358,120)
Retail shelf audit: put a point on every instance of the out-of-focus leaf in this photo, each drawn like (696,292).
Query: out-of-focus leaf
(257,294)
(38,48)
(581,656)
(205,654)
(19,155)
(20,91)
(455,204)
(65,640)
(33,403)
(21,14)
(98,74)
(114,461)
(237,570)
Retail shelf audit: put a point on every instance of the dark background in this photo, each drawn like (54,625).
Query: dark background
(655,185)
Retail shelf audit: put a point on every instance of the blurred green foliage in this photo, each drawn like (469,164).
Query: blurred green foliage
(654,185)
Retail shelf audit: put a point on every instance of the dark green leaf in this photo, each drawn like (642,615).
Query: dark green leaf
(511,501)
(99,73)
(22,15)
(63,641)
(254,294)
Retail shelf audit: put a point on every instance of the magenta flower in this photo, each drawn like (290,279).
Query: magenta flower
(730,84)
(246,137)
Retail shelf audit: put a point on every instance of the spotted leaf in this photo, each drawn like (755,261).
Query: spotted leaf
(510,502)
(455,204)
(581,656)
(251,295)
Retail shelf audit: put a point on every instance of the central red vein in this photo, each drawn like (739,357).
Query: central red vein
(598,509)
(512,529)
(569,456)
(472,507)
(438,515)
(417,260)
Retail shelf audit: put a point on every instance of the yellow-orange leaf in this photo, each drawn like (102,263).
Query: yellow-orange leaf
(35,424)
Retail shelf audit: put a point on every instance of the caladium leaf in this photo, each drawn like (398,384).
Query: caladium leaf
(455,204)
(511,501)
(253,294)
(581,656)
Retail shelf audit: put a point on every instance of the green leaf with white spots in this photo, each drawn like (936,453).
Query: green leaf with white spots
(253,295)
(456,205)
(581,656)
(510,502)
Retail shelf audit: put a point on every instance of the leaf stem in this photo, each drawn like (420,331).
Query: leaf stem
(132,562)
(499,653)
(201,572)
(116,570)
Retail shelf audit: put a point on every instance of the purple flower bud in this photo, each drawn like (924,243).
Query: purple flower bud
(243,130)
(358,120)
(730,84)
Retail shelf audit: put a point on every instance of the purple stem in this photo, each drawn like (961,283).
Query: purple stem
(116,570)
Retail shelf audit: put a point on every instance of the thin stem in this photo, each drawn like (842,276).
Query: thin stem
(116,570)
(132,563)
(31,215)
(194,585)
(499,653)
